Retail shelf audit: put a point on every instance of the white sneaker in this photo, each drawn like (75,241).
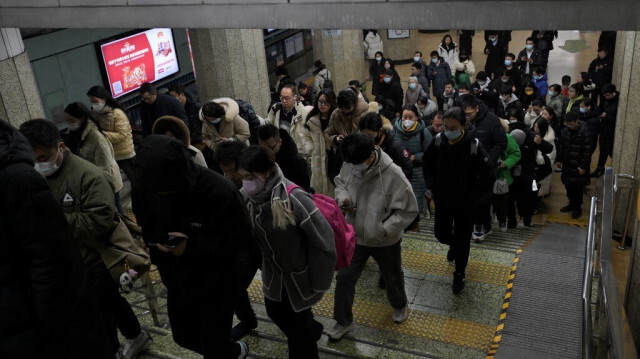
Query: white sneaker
(134,346)
(400,315)
(244,349)
(478,234)
(338,331)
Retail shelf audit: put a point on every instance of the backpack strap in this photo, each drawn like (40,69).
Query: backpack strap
(291,187)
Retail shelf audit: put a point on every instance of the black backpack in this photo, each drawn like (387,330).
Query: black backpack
(248,114)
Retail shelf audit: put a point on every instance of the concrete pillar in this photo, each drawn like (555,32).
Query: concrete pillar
(342,51)
(19,97)
(626,152)
(231,63)
(402,49)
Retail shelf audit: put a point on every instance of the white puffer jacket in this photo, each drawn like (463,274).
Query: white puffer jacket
(372,44)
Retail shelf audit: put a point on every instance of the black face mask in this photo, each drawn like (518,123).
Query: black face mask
(463,58)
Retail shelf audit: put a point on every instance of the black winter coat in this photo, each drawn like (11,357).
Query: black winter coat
(610,107)
(490,132)
(172,194)
(192,110)
(502,111)
(165,105)
(457,178)
(41,274)
(574,150)
(489,95)
(602,76)
(535,56)
(294,167)
(391,91)
(495,56)
(547,37)
(400,156)
(592,119)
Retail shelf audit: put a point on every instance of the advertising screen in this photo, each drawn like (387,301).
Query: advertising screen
(144,57)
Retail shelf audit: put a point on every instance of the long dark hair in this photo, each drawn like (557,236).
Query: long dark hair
(101,92)
(452,45)
(73,139)
(331,98)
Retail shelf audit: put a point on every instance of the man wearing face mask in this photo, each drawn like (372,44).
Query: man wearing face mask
(491,135)
(417,58)
(495,50)
(392,93)
(155,105)
(512,71)
(528,58)
(459,175)
(194,221)
(506,102)
(86,197)
(380,204)
(483,90)
(438,72)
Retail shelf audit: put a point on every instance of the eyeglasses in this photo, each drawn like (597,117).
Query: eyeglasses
(282,98)
(322,103)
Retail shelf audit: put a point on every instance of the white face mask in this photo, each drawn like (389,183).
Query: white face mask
(97,106)
(74,126)
(48,168)
(362,167)
(216,121)
(408,123)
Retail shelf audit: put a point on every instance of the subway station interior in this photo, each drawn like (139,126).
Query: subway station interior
(562,288)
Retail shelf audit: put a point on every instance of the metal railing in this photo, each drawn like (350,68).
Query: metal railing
(612,338)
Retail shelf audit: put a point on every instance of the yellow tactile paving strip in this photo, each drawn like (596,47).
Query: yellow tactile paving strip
(423,325)
(566,219)
(436,264)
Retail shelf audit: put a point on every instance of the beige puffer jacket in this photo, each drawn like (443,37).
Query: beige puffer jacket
(99,151)
(232,125)
(297,125)
(115,125)
(317,150)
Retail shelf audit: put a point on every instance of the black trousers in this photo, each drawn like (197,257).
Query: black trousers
(575,190)
(454,227)
(522,199)
(128,167)
(501,206)
(301,329)
(245,267)
(607,133)
(115,306)
(483,213)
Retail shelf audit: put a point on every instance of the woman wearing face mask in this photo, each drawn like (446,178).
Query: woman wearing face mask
(85,139)
(448,50)
(504,79)
(376,67)
(507,101)
(529,94)
(415,137)
(392,94)
(556,99)
(221,122)
(316,122)
(389,65)
(414,92)
(115,125)
(298,249)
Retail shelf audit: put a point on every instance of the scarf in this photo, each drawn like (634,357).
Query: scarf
(275,191)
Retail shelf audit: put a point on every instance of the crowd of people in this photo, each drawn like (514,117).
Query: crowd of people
(220,192)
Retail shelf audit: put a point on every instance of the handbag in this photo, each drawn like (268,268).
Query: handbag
(500,186)
(125,254)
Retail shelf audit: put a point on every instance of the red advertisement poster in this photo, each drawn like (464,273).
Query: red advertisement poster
(145,57)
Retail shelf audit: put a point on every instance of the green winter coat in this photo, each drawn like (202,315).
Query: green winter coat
(86,198)
(511,157)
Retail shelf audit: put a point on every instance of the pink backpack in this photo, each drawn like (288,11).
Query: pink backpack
(343,233)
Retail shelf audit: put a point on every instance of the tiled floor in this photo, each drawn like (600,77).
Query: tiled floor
(441,325)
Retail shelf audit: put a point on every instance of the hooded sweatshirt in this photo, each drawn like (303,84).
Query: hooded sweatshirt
(384,200)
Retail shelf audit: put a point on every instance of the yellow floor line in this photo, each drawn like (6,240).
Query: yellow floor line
(437,264)
(423,325)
